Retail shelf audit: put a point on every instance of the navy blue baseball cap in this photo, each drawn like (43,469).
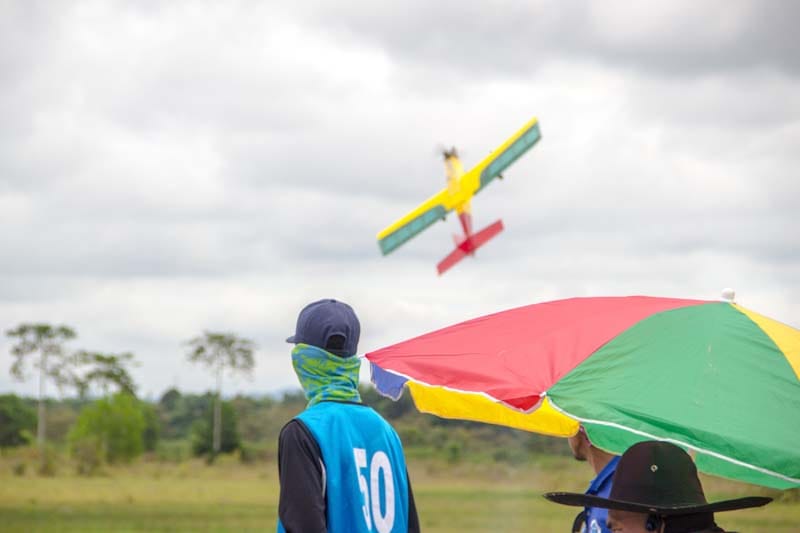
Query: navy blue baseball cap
(323,319)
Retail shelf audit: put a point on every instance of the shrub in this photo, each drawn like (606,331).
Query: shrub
(250,452)
(114,426)
(410,436)
(17,421)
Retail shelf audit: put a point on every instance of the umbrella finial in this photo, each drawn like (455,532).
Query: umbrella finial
(729,295)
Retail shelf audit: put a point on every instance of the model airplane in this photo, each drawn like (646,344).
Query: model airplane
(461,187)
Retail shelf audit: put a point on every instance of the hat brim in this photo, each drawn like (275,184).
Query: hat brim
(587,500)
(292,339)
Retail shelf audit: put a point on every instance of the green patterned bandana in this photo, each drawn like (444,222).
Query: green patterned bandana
(325,376)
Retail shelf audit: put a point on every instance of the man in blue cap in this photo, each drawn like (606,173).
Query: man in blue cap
(593,519)
(340,464)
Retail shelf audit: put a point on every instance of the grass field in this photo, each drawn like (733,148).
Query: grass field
(233,497)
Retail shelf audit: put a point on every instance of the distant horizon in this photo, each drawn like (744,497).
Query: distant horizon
(152,399)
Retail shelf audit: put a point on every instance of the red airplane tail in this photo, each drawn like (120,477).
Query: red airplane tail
(468,245)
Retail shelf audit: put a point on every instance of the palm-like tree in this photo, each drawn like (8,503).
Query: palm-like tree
(220,351)
(53,363)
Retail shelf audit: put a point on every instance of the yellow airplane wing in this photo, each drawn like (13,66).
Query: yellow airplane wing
(503,157)
(403,229)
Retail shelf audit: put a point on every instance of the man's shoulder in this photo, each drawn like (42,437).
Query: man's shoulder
(294,430)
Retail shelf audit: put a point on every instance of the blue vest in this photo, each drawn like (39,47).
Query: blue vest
(365,483)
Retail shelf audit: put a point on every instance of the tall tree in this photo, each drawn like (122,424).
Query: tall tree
(106,370)
(53,363)
(220,351)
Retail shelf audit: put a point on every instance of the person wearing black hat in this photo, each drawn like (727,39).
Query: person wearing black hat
(656,489)
(340,464)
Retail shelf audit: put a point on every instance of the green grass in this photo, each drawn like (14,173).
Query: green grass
(229,496)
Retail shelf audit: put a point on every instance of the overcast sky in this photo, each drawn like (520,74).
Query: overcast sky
(173,167)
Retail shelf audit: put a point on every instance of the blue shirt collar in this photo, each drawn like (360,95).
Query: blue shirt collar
(603,477)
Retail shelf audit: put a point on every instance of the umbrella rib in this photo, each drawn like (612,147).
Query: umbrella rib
(677,442)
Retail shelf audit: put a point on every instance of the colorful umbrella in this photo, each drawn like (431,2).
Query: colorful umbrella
(707,375)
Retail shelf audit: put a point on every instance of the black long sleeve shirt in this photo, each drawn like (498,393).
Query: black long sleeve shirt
(301,507)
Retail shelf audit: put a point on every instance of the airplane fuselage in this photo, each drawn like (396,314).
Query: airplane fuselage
(454,170)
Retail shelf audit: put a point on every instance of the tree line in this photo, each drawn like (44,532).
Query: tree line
(118,426)
(43,346)
(178,426)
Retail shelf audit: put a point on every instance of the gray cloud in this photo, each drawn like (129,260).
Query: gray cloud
(514,39)
(166,169)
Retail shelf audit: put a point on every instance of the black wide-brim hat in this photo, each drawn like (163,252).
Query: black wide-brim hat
(656,478)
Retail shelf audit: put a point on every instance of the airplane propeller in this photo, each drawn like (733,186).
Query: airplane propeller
(443,151)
